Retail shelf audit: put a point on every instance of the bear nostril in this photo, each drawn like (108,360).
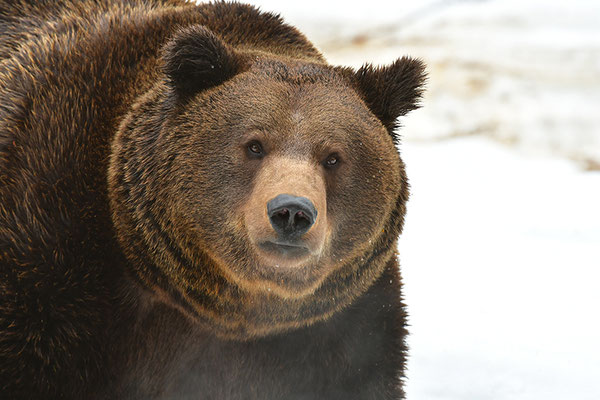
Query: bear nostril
(302,221)
(280,218)
(283,214)
(291,216)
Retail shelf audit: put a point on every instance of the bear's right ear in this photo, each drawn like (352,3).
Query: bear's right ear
(195,59)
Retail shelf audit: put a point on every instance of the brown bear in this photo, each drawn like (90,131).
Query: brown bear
(195,205)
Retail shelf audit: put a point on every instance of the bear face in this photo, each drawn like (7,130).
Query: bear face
(258,193)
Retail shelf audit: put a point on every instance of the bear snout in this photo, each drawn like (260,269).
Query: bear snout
(286,213)
(291,216)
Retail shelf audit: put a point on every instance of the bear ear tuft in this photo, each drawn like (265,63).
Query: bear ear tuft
(196,59)
(392,90)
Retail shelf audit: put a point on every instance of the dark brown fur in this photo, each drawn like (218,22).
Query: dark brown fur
(127,269)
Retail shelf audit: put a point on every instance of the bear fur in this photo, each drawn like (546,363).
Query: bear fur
(140,142)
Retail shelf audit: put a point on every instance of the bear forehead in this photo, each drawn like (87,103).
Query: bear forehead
(294,70)
(311,96)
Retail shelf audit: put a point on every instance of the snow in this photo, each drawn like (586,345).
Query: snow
(500,258)
(501,250)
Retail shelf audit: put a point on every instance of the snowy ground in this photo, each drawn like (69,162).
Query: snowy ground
(501,249)
(501,258)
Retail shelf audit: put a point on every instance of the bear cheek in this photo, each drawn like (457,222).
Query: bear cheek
(361,202)
(210,219)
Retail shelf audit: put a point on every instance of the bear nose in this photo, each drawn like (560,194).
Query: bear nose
(291,216)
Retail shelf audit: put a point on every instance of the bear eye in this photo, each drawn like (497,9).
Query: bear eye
(255,149)
(332,160)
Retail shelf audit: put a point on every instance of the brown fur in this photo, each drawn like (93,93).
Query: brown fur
(289,131)
(130,210)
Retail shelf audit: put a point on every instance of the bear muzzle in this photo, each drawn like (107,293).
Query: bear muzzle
(286,213)
(290,217)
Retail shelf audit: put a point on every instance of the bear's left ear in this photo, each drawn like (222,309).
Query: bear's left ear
(196,59)
(392,90)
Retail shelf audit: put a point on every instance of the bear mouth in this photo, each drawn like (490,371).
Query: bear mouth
(285,249)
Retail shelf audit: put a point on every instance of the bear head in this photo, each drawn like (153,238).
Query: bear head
(258,192)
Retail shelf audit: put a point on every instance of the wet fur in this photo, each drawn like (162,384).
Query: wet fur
(82,314)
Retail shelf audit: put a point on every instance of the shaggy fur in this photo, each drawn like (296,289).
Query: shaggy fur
(130,207)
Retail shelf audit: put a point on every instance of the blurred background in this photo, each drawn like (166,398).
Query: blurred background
(501,249)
